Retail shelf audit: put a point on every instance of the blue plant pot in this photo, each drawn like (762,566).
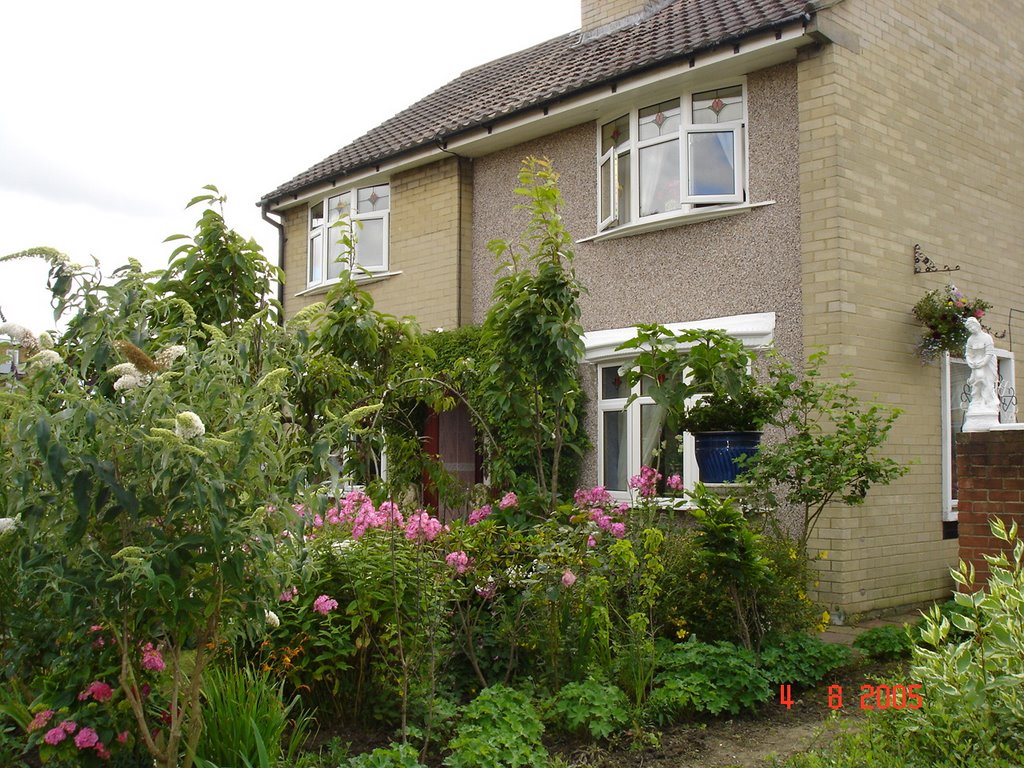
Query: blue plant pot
(717,452)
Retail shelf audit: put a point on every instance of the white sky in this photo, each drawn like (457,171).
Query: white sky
(114,114)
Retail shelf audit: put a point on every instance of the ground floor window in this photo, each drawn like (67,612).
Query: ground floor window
(636,435)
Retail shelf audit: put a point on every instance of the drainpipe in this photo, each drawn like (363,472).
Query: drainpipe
(280,258)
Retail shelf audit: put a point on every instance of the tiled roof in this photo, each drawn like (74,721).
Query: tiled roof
(547,72)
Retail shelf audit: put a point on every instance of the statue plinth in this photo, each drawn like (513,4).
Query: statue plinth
(981,419)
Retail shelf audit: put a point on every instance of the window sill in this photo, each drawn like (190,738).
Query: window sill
(375,277)
(676,220)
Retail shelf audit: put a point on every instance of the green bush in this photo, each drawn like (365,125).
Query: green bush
(801,660)
(597,707)
(499,729)
(710,678)
(885,643)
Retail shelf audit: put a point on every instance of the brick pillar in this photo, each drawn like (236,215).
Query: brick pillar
(990,473)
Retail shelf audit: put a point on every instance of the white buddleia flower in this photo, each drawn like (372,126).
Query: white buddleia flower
(165,357)
(15,331)
(8,524)
(125,369)
(45,340)
(127,382)
(187,426)
(46,358)
(272,619)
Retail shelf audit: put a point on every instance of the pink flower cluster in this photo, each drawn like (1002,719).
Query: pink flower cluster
(593,497)
(152,659)
(40,720)
(568,578)
(479,514)
(423,527)
(97,691)
(289,594)
(646,483)
(600,508)
(607,523)
(458,560)
(86,738)
(674,483)
(508,500)
(324,604)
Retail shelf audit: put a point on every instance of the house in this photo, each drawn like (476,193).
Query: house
(776,168)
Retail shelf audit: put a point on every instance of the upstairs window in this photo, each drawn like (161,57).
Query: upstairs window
(665,158)
(326,256)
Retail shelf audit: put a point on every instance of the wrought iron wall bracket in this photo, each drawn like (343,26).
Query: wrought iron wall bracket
(923,264)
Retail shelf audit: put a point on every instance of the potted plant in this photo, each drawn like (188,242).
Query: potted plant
(703,381)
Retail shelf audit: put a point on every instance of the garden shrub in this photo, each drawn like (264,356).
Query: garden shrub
(885,643)
(801,660)
(499,729)
(593,706)
(712,678)
(392,756)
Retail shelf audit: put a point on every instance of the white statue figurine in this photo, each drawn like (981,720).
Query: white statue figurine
(980,354)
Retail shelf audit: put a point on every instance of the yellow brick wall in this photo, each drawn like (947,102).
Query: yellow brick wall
(597,13)
(910,134)
(425,247)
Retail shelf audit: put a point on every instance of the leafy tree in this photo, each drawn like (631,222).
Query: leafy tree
(533,333)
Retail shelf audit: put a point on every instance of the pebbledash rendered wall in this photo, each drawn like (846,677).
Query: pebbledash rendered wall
(910,133)
(744,263)
(427,246)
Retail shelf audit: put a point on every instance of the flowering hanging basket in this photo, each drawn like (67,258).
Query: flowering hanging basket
(942,312)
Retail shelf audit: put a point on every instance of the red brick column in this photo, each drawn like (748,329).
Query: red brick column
(990,473)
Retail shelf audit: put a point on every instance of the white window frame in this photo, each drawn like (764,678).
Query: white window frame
(1007,415)
(323,234)
(687,127)
(755,330)
(634,447)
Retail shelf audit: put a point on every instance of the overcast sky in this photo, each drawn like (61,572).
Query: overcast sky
(114,114)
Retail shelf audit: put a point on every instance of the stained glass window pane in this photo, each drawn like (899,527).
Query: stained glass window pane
(659,178)
(659,120)
(613,383)
(615,133)
(316,260)
(370,244)
(316,215)
(370,199)
(614,449)
(719,106)
(339,206)
(712,163)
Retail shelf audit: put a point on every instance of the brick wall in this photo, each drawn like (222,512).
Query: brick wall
(990,466)
(910,133)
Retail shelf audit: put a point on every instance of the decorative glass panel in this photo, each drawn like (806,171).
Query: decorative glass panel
(720,106)
(712,161)
(959,399)
(316,215)
(339,206)
(660,120)
(316,258)
(615,133)
(370,244)
(614,450)
(659,178)
(370,199)
(613,383)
